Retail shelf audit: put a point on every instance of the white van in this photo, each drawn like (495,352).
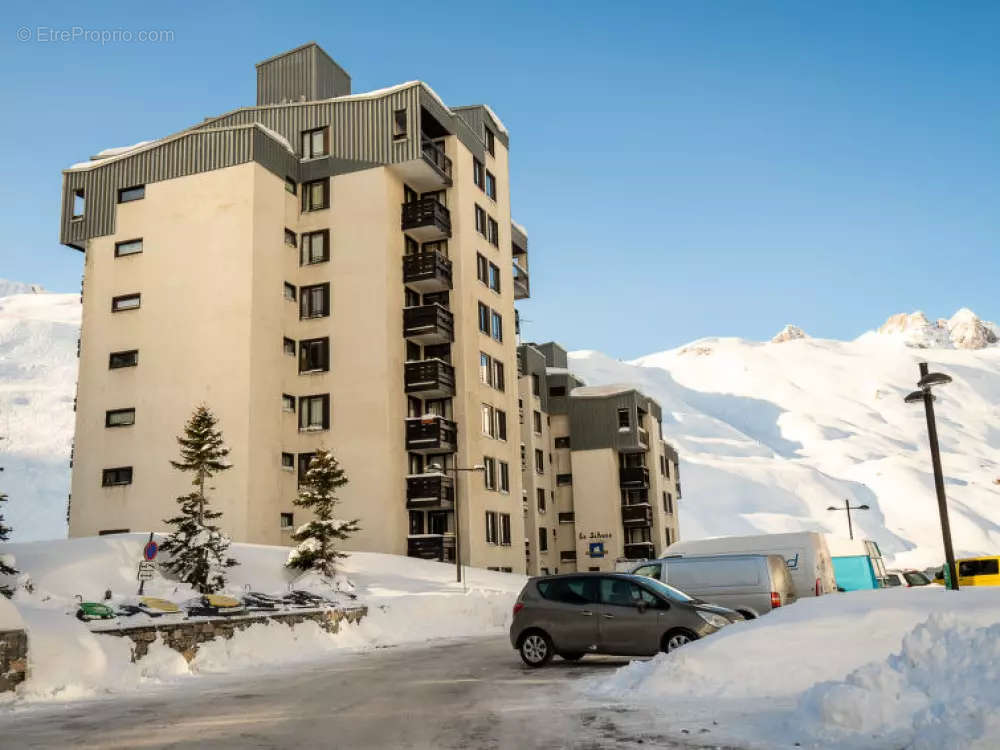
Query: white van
(805,553)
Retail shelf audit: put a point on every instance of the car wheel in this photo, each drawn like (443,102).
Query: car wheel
(571,657)
(536,649)
(677,638)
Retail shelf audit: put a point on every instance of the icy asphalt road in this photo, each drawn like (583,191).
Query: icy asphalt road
(467,694)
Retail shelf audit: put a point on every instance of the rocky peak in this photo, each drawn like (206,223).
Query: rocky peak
(964,330)
(789,333)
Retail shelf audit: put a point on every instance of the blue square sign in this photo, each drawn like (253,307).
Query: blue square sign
(597,549)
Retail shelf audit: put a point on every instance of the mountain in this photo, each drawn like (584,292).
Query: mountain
(772,434)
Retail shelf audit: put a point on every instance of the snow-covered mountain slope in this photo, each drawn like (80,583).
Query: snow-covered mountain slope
(38,333)
(771,434)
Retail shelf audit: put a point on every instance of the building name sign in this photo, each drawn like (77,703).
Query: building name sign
(595,535)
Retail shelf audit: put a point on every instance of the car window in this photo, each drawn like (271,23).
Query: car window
(668,592)
(915,578)
(978,567)
(620,592)
(569,590)
(893,580)
(650,571)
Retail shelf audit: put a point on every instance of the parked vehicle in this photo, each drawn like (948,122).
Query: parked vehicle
(805,553)
(906,578)
(978,571)
(857,564)
(607,613)
(753,585)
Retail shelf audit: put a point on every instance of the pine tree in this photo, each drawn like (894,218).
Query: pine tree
(315,539)
(6,561)
(197,548)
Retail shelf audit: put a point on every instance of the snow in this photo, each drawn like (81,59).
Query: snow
(599,391)
(8,288)
(498,121)
(10,618)
(278,137)
(965,330)
(116,151)
(870,669)
(519,228)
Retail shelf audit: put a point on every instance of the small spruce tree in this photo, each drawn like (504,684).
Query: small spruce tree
(6,568)
(197,547)
(316,539)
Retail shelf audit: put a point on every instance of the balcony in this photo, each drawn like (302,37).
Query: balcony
(431,434)
(430,491)
(427,272)
(428,324)
(434,156)
(429,378)
(637,515)
(633,477)
(522,288)
(643,437)
(431,546)
(639,551)
(431,170)
(426,220)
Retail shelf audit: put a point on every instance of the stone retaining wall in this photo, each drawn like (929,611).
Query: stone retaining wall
(185,636)
(13,658)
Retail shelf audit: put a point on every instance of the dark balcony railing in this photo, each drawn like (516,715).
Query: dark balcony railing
(522,287)
(427,272)
(633,476)
(431,435)
(430,491)
(431,546)
(426,219)
(431,378)
(637,515)
(639,550)
(567,517)
(428,324)
(434,155)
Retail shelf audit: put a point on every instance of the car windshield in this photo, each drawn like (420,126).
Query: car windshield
(667,591)
(916,579)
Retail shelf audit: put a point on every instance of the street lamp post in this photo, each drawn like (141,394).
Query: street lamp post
(458,540)
(848,507)
(927,381)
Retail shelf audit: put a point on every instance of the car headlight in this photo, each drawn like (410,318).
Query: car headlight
(716,621)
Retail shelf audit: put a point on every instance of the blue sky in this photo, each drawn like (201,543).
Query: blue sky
(683,169)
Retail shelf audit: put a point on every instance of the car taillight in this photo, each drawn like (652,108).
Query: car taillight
(775,599)
(518,607)
(817,587)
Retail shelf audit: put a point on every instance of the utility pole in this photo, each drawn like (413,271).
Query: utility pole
(848,507)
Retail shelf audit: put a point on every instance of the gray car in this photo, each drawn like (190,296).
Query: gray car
(607,613)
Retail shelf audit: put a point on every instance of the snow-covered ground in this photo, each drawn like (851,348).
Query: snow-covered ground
(408,600)
(772,434)
(914,668)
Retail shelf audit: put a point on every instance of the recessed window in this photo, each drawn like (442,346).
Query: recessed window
(539,462)
(288,346)
(557,391)
(314,355)
(501,430)
(496,325)
(540,496)
(491,185)
(480,221)
(484,319)
(290,185)
(535,384)
(477,172)
(505,534)
(562,442)
(492,532)
(490,472)
(543,539)
(116,476)
(128,358)
(482,269)
(494,278)
(79,204)
(314,412)
(493,232)
(287,402)
(489,420)
(316,195)
(564,480)
(287,520)
(128,247)
(125,302)
(290,292)
(304,460)
(504,476)
(624,420)
(314,301)
(119,418)
(136,193)
(288,461)
(314,143)
(498,379)
(536,418)
(399,123)
(485,368)
(290,238)
(315,248)
(668,503)
(490,139)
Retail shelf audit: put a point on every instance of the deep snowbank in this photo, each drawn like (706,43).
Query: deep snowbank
(859,670)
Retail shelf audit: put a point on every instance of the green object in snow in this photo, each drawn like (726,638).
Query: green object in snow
(94,611)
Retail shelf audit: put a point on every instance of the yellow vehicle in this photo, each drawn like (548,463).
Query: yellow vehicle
(978,571)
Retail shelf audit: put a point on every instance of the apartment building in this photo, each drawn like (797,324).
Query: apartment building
(323,269)
(600,484)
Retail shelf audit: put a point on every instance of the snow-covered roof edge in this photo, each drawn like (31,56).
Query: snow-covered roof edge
(519,228)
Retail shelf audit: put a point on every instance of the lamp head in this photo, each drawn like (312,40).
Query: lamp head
(479,467)
(864,507)
(915,397)
(833,508)
(932,379)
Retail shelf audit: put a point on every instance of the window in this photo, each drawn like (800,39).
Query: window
(501,424)
(119,418)
(490,473)
(543,539)
(399,123)
(485,368)
(315,248)
(539,462)
(667,532)
(480,221)
(290,185)
(287,403)
(484,319)
(496,325)
(668,503)
(491,185)
(540,494)
(498,381)
(564,480)
(128,247)
(304,460)
(314,301)
(116,476)
(287,520)
(494,282)
(79,204)
(562,442)
(492,537)
(663,465)
(489,138)
(619,592)
(535,384)
(567,517)
(288,461)
(316,195)
(290,292)
(493,232)
(288,346)
(477,172)
(128,358)
(978,567)
(536,418)
(290,238)
(482,268)
(314,412)
(524,458)
(624,419)
(314,143)
(557,391)
(314,355)
(137,193)
(505,531)
(125,302)
(416,522)
(489,420)
(637,535)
